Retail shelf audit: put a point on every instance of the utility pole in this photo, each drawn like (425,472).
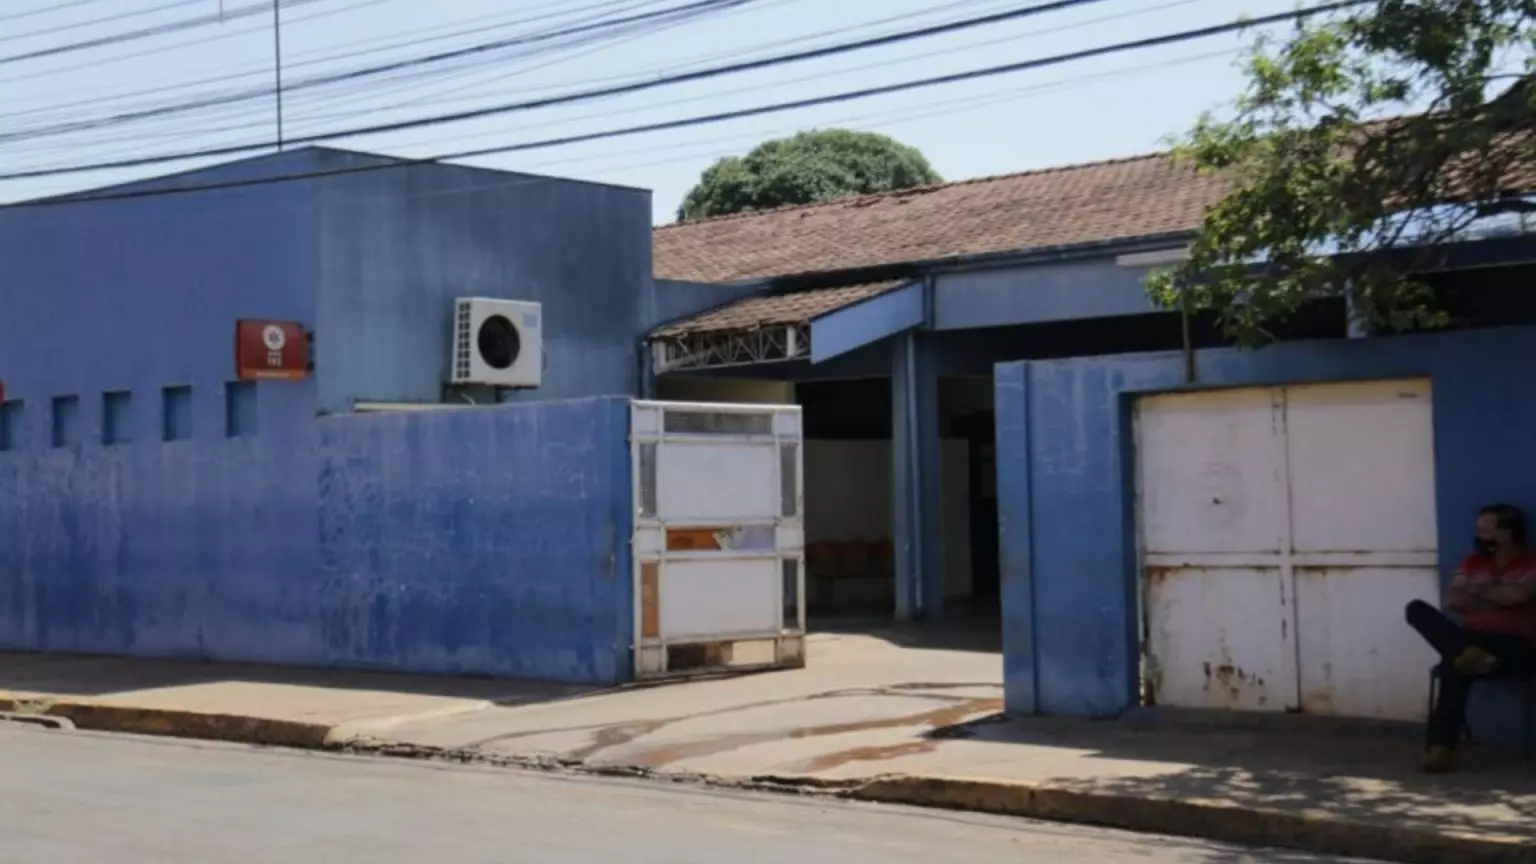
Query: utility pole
(277,65)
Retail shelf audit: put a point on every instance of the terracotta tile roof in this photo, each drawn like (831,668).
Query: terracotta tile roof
(1143,196)
(776,310)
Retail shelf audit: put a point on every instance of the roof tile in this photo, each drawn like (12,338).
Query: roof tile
(1142,196)
(772,310)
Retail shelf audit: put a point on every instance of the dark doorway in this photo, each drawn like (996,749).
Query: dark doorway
(978,430)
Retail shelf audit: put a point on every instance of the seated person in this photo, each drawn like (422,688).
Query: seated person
(1494,592)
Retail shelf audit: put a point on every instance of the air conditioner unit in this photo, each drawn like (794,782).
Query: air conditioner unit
(497,343)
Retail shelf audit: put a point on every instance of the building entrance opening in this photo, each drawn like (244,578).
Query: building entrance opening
(850,542)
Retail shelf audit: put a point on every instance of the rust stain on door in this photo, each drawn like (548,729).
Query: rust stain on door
(650,599)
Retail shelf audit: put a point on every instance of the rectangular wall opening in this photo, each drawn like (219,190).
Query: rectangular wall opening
(10,425)
(116,418)
(239,409)
(65,421)
(176,413)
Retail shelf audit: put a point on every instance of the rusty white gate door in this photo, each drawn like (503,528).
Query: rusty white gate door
(719,538)
(1282,531)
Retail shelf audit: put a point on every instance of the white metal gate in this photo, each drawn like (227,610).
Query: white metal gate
(1282,531)
(719,537)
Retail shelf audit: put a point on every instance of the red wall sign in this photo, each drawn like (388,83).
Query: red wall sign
(271,351)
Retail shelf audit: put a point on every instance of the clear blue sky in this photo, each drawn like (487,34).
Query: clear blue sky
(1077,112)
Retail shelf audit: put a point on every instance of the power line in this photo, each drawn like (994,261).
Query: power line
(199,125)
(147,32)
(880,119)
(887,118)
(846,96)
(694,7)
(605,92)
(647,29)
(44,10)
(778,43)
(434,96)
(223,34)
(96,22)
(314,57)
(863,67)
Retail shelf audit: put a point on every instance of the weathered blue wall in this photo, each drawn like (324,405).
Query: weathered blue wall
(397,246)
(141,294)
(1064,456)
(492,541)
(1058,291)
(488,541)
(671,300)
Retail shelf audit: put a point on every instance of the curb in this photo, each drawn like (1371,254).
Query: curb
(1168,816)
(1208,821)
(101,717)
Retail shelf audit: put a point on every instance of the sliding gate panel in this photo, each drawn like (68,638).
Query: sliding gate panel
(719,537)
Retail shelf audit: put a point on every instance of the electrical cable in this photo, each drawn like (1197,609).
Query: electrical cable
(745,51)
(887,119)
(604,43)
(147,32)
(648,84)
(499,75)
(96,22)
(863,67)
(266,92)
(881,119)
(302,118)
(845,96)
(44,10)
(318,57)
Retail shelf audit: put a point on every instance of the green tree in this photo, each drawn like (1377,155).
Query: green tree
(1392,125)
(809,167)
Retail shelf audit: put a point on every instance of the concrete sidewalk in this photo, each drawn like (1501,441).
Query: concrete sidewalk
(870,718)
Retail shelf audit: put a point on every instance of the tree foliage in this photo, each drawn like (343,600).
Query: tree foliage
(804,169)
(1391,126)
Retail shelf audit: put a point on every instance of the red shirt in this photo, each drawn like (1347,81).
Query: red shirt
(1513,621)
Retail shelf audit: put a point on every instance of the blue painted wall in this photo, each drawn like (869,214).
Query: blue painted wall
(487,541)
(672,300)
(395,247)
(1028,294)
(142,294)
(493,541)
(1066,517)
(867,322)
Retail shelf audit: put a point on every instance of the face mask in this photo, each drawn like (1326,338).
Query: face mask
(1484,547)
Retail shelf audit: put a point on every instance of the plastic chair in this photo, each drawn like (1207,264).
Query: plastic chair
(1528,681)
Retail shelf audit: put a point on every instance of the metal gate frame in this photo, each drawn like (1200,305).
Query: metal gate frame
(1290,563)
(655,654)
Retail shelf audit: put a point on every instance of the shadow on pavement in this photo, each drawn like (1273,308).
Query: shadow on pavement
(1348,772)
(90,676)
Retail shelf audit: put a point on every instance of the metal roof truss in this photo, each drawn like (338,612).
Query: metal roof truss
(723,349)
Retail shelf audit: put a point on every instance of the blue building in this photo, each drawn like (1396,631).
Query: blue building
(151,504)
(993,340)
(997,419)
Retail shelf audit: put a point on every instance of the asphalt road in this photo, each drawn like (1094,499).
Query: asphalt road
(70,797)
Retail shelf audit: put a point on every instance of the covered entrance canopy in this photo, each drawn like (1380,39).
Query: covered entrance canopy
(869,531)
(808,326)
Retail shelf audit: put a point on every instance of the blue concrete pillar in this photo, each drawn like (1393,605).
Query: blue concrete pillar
(916,488)
(1015,521)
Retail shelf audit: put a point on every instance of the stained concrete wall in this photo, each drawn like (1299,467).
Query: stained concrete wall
(396,247)
(1064,448)
(484,541)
